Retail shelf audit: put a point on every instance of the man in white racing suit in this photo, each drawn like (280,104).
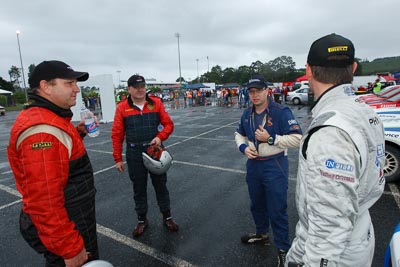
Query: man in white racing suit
(341,159)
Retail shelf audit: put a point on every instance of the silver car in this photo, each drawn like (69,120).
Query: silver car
(299,96)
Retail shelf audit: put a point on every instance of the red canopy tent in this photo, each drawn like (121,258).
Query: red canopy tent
(301,78)
(287,84)
(388,78)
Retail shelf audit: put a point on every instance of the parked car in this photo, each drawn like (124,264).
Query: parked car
(390,118)
(2,111)
(382,95)
(300,85)
(166,97)
(392,102)
(299,96)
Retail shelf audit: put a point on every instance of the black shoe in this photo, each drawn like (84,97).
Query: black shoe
(171,224)
(140,227)
(255,239)
(281,257)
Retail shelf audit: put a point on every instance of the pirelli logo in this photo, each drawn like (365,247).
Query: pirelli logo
(42,145)
(338,48)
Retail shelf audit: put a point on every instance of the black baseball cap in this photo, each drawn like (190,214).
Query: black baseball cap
(332,50)
(256,81)
(135,80)
(53,69)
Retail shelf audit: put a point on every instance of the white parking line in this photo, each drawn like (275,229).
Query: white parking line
(205,138)
(11,204)
(396,194)
(208,166)
(10,190)
(159,255)
(196,136)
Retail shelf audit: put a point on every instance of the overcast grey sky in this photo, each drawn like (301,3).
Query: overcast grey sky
(104,36)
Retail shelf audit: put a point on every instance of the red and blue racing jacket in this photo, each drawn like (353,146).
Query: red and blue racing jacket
(137,126)
(54,175)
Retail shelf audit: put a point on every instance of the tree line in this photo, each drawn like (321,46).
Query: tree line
(280,69)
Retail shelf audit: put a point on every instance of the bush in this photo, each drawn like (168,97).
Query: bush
(19,97)
(3,100)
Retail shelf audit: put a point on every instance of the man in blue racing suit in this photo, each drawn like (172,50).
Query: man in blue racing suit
(266,131)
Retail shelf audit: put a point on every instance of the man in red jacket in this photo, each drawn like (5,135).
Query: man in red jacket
(142,120)
(52,170)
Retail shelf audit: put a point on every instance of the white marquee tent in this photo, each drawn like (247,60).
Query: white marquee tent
(105,84)
(2,92)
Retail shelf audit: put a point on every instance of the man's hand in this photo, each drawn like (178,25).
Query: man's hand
(82,129)
(78,260)
(262,135)
(120,166)
(251,152)
(155,141)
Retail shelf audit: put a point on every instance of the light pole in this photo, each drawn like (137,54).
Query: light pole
(197,60)
(208,65)
(22,66)
(177,35)
(119,78)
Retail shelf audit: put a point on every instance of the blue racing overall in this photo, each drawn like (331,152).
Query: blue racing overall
(267,175)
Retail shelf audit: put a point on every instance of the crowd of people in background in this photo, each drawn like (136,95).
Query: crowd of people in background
(224,97)
(92,102)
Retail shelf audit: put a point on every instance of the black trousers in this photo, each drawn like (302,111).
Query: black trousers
(139,175)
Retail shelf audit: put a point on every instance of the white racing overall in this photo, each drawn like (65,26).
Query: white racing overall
(340,177)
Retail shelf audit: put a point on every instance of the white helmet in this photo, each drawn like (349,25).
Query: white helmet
(157,160)
(98,263)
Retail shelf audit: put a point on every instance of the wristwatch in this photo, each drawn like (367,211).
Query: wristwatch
(270,140)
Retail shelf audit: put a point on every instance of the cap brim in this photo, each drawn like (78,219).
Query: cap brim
(136,84)
(79,76)
(258,86)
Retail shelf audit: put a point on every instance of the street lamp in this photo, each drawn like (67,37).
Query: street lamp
(197,60)
(208,65)
(119,78)
(177,35)
(22,66)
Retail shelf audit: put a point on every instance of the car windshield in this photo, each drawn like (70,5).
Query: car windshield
(393,98)
(389,90)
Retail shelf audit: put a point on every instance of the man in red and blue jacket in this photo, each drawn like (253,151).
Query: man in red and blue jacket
(52,170)
(141,120)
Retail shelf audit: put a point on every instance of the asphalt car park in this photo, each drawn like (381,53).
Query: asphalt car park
(209,199)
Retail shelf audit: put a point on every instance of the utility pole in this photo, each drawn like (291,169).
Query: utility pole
(198,78)
(22,66)
(177,35)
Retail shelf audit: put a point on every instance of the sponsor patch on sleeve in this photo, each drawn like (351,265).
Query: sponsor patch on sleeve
(42,145)
(337,177)
(332,164)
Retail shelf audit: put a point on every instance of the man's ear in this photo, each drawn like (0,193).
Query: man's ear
(308,72)
(355,65)
(44,87)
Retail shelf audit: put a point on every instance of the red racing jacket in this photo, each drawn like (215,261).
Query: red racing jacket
(139,126)
(54,176)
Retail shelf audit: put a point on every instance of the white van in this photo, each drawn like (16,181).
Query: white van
(300,85)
